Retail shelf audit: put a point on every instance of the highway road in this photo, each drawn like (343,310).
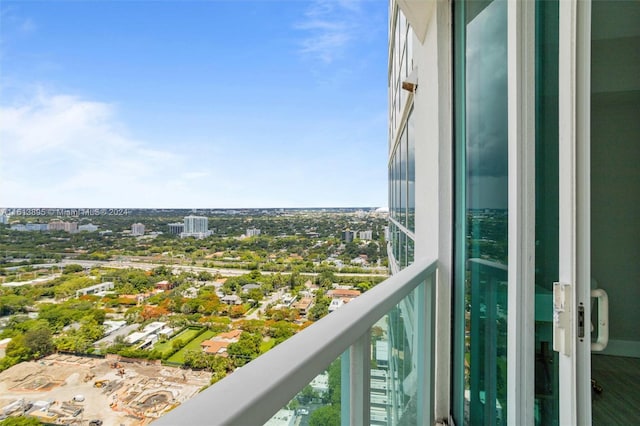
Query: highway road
(190,268)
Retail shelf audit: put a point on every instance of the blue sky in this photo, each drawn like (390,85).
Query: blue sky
(193,103)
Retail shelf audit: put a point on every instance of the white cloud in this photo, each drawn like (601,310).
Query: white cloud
(27,26)
(58,150)
(61,150)
(330,27)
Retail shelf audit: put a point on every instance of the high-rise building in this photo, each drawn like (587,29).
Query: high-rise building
(37,227)
(196,226)
(59,225)
(89,227)
(176,228)
(253,232)
(348,236)
(513,194)
(56,225)
(365,235)
(137,229)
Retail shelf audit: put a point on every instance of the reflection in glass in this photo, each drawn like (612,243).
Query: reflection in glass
(479,391)
(319,400)
(411,173)
(397,184)
(402,177)
(546,261)
(395,345)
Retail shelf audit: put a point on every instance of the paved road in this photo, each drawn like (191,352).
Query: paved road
(34,281)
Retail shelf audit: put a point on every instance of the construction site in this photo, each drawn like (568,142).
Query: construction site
(73,390)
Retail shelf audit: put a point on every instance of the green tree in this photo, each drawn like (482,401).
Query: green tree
(308,394)
(90,329)
(17,349)
(255,294)
(335,372)
(39,342)
(320,309)
(205,276)
(12,303)
(73,268)
(328,415)
(281,331)
(245,349)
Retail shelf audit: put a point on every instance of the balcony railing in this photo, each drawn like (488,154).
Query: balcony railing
(390,384)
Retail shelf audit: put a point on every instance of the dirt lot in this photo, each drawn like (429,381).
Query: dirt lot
(116,392)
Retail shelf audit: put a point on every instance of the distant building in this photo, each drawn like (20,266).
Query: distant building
(59,225)
(320,384)
(348,236)
(137,229)
(287,299)
(176,228)
(360,260)
(218,344)
(56,225)
(231,300)
(110,326)
(283,417)
(196,226)
(343,293)
(252,286)
(303,305)
(94,289)
(89,227)
(366,235)
(30,227)
(37,227)
(149,335)
(335,304)
(4,219)
(253,232)
(164,285)
(64,226)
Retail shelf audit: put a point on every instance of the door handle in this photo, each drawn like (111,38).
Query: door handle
(562,318)
(603,320)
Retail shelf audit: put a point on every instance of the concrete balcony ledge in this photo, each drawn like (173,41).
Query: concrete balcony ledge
(255,392)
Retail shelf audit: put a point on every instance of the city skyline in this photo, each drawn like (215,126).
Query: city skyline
(193,104)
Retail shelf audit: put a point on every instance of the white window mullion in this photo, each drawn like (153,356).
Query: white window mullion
(521,271)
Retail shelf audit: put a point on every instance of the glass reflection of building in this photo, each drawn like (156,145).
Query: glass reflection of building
(400,339)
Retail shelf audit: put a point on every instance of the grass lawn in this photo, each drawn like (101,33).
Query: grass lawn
(185,336)
(193,345)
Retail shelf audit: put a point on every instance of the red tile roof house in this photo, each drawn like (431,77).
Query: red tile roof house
(164,285)
(343,294)
(218,344)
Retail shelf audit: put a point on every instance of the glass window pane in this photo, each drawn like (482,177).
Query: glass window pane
(402,178)
(396,341)
(480,311)
(546,262)
(320,399)
(411,173)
